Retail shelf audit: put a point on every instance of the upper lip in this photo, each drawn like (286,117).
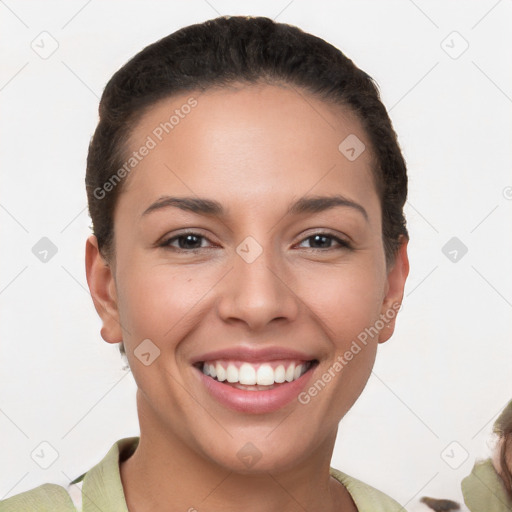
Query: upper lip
(248,354)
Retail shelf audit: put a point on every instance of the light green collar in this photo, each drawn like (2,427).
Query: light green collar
(102,488)
(484,491)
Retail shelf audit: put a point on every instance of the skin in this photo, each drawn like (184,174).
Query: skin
(255,150)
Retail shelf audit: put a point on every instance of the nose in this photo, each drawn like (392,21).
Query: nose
(257,293)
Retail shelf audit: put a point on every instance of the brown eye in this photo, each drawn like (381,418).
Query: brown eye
(324,241)
(185,242)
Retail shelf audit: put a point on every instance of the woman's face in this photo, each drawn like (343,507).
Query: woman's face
(268,281)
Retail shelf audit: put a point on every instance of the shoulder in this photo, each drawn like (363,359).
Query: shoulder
(366,497)
(483,489)
(44,498)
(101,485)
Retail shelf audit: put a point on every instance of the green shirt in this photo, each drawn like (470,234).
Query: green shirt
(100,488)
(484,491)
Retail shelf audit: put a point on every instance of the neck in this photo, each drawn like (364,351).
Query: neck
(164,473)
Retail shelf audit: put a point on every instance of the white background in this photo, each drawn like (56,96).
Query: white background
(445,374)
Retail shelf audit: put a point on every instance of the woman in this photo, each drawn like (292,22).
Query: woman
(249,253)
(488,488)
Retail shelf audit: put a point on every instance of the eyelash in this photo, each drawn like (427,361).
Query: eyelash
(343,244)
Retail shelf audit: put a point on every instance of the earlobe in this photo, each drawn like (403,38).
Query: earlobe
(395,285)
(103,292)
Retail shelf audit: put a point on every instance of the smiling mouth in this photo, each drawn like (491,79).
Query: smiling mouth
(262,376)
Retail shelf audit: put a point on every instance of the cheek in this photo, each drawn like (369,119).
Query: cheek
(160,304)
(158,301)
(347,299)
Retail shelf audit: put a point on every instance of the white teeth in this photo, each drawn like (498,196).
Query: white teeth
(221,373)
(232,373)
(265,375)
(290,371)
(248,375)
(279,374)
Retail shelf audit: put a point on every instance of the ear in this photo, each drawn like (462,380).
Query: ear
(395,285)
(103,291)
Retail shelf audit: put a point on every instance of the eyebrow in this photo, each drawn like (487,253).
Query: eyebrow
(209,207)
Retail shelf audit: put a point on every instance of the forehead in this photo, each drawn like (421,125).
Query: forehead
(248,144)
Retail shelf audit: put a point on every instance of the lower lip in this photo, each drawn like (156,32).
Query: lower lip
(255,402)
